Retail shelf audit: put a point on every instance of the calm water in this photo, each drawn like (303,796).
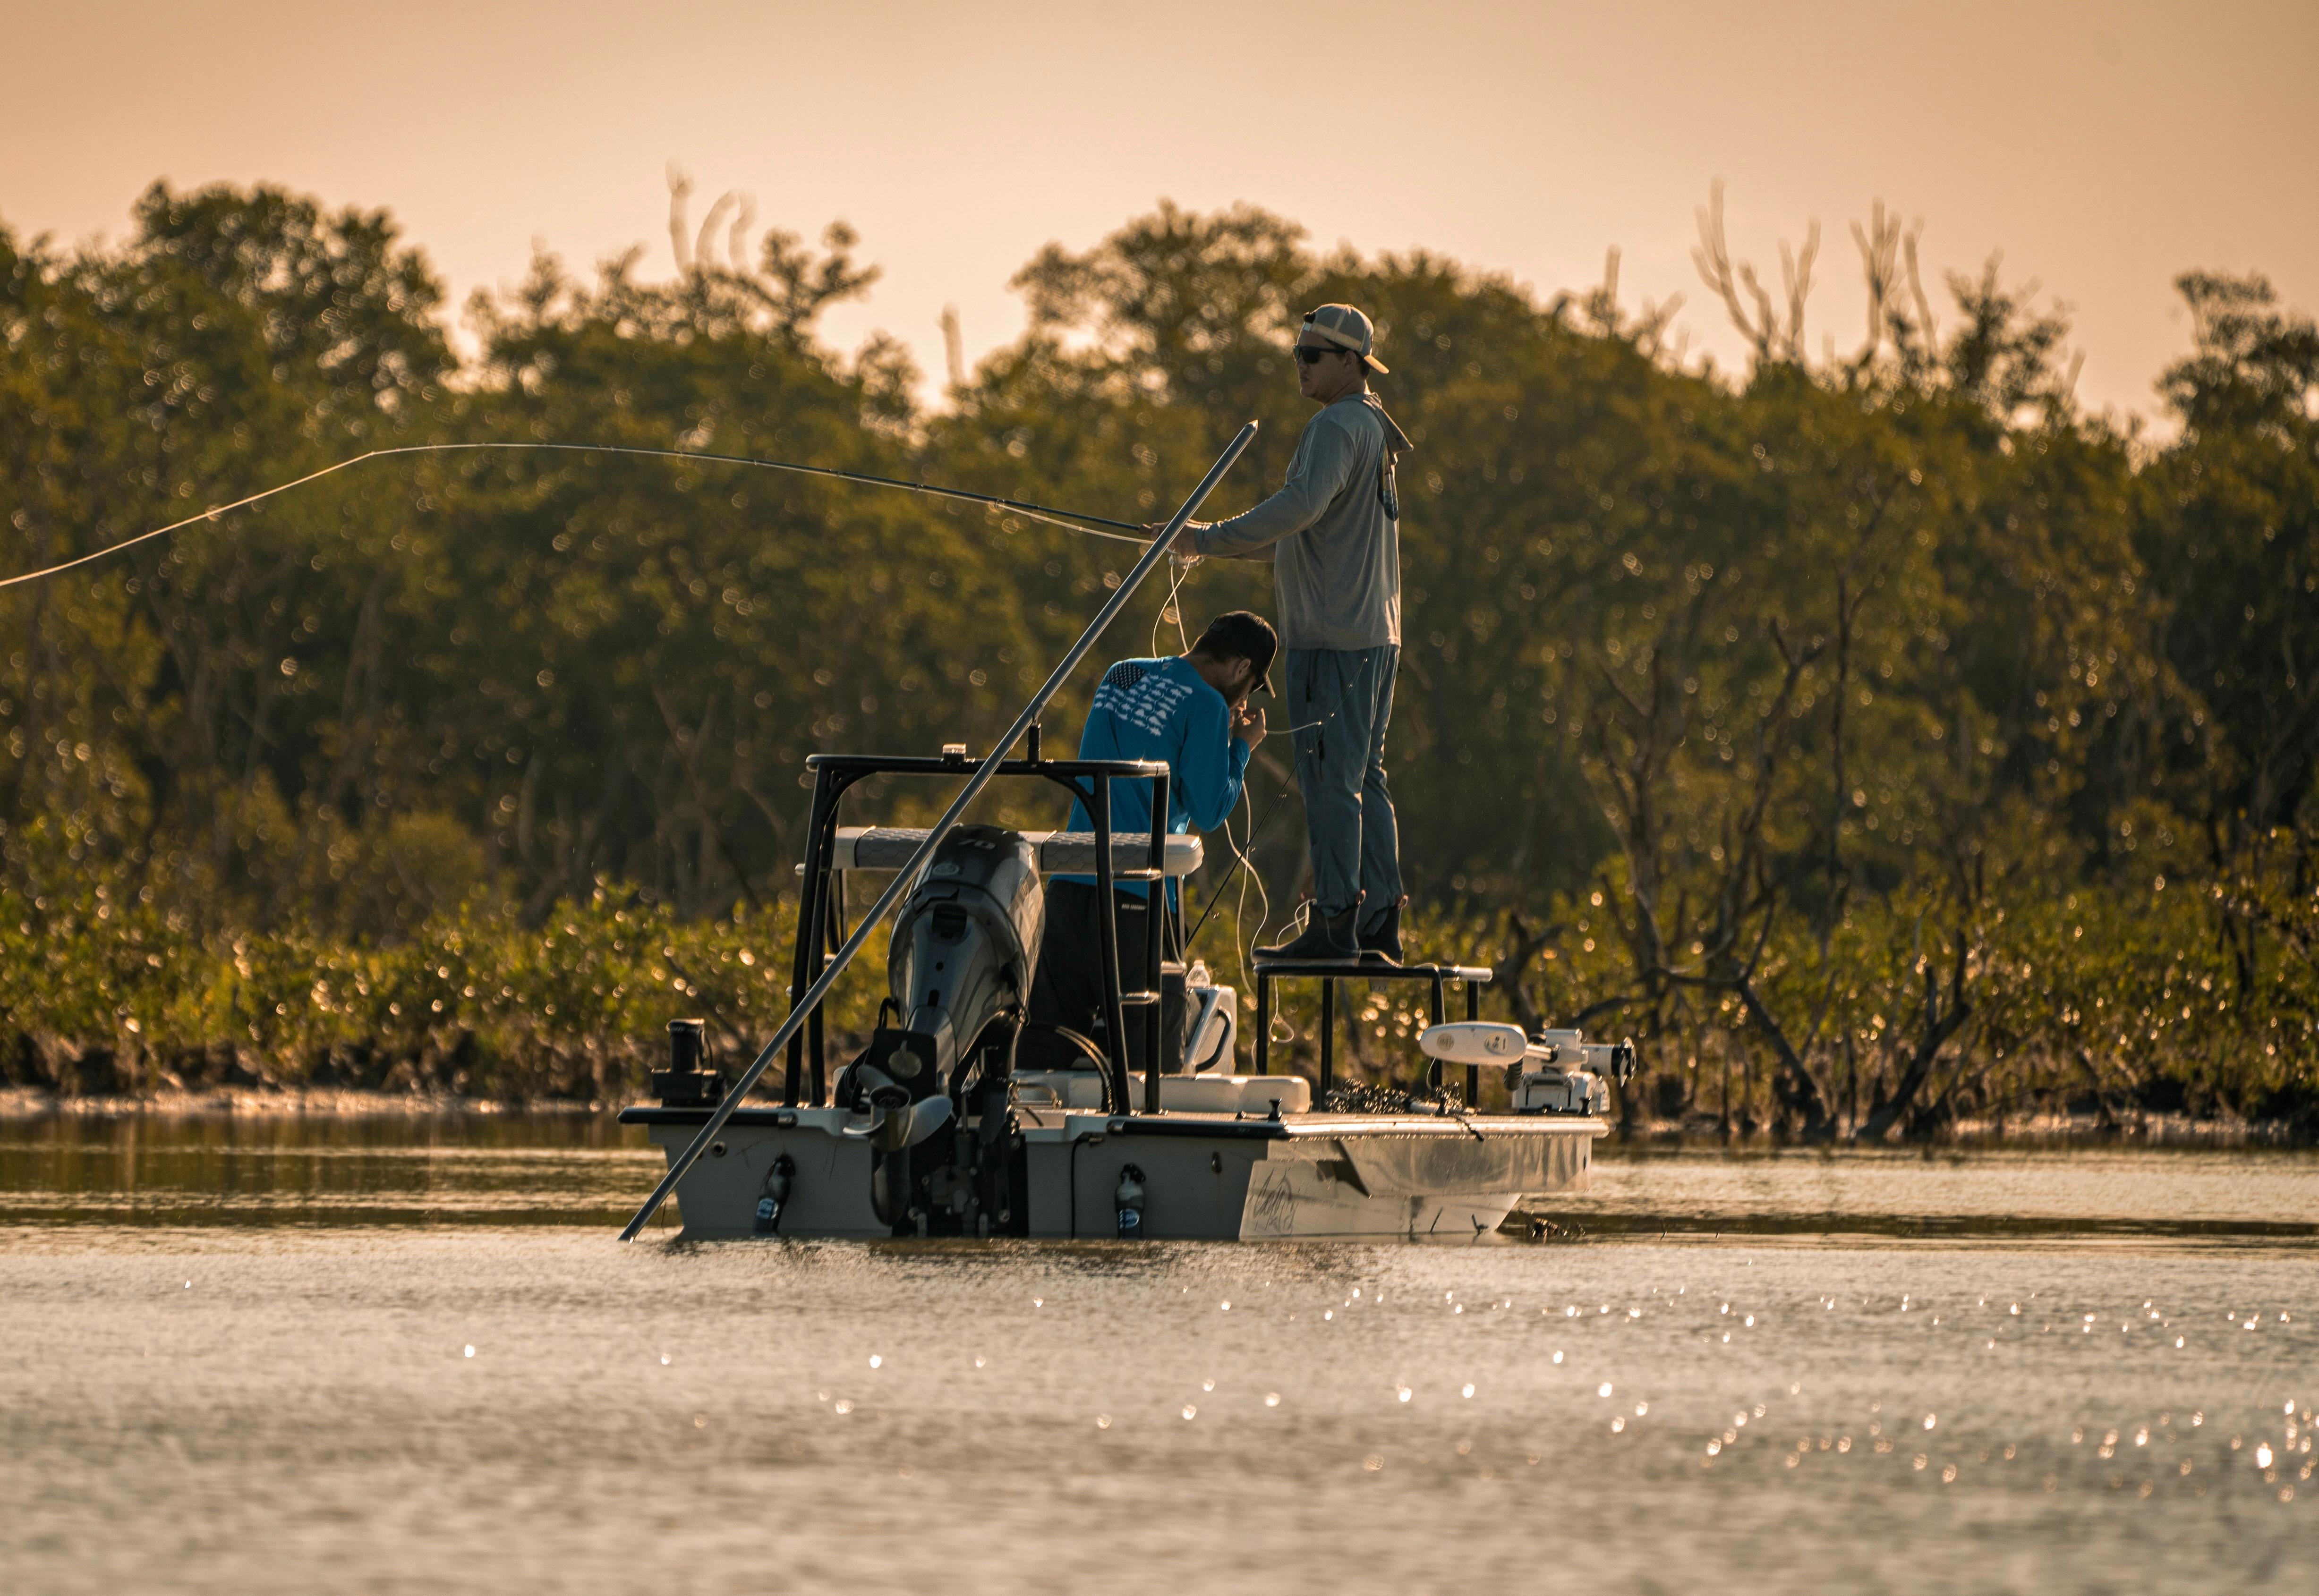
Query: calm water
(236,1356)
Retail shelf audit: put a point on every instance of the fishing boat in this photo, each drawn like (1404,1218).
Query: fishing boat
(931,1129)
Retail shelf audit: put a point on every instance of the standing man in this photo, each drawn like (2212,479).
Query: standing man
(1190,711)
(1334,530)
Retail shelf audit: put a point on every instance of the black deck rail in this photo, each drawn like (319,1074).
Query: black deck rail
(1438,976)
(821,906)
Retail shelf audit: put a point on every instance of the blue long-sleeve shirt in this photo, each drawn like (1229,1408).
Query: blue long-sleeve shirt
(1161,709)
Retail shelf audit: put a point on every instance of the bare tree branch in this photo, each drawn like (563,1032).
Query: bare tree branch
(702,257)
(680,189)
(1713,259)
(737,242)
(1939,1022)
(1507,975)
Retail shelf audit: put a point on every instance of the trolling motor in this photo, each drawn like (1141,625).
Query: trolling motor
(958,972)
(1559,1072)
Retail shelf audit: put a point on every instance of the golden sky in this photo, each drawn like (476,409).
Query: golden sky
(2103,147)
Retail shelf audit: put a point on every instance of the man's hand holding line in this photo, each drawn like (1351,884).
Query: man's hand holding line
(1186,548)
(1248,726)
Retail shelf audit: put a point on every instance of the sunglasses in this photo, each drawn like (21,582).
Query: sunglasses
(1307,355)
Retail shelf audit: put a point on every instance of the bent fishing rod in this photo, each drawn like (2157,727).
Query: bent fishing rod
(1126,531)
(905,878)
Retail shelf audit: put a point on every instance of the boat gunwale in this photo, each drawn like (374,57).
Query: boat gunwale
(1194,1122)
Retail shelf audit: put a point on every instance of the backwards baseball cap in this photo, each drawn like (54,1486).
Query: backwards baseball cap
(1241,635)
(1346,329)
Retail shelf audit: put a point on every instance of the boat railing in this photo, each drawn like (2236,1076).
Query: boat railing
(821,906)
(1438,976)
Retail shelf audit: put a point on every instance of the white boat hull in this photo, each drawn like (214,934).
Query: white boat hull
(1206,1176)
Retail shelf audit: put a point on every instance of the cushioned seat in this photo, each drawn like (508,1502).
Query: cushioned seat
(1183,1094)
(889,848)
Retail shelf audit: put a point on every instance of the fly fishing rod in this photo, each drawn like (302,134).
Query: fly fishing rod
(1127,531)
(906,876)
(1240,857)
(1256,827)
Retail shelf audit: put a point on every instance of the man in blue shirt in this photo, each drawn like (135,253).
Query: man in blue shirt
(1190,710)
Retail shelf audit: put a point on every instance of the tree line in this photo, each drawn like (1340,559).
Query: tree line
(1881,739)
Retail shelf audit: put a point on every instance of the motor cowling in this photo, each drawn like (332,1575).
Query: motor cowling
(967,942)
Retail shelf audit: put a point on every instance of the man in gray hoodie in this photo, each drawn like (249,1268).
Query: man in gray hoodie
(1334,532)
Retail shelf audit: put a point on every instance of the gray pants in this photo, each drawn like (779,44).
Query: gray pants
(1340,770)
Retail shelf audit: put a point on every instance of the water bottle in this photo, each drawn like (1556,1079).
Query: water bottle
(776,1194)
(1130,1197)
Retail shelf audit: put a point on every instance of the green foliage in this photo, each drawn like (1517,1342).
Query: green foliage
(120,997)
(1826,727)
(2233,527)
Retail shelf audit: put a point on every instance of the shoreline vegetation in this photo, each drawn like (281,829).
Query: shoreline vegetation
(1887,744)
(477,1007)
(2034,1132)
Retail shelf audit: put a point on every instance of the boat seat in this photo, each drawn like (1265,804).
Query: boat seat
(889,848)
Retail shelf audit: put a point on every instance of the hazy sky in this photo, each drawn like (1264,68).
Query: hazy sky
(2104,148)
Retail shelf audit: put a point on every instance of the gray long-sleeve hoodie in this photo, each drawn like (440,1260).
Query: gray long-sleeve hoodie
(1334,529)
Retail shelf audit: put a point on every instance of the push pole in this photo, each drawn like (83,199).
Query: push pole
(905,878)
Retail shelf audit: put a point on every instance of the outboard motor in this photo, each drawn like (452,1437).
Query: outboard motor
(959,972)
(967,940)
